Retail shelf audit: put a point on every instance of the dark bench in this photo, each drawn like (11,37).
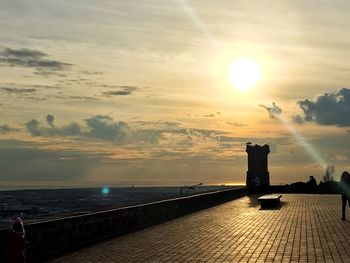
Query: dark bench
(269,200)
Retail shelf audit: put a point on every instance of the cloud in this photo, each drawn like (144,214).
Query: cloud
(272,110)
(47,86)
(211,115)
(298,119)
(23,53)
(159,123)
(34,128)
(236,124)
(30,58)
(50,119)
(49,72)
(98,127)
(104,127)
(83,98)
(87,72)
(117,93)
(331,108)
(170,123)
(123,91)
(18,90)
(5,128)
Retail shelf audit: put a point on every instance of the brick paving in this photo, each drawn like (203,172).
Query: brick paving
(306,228)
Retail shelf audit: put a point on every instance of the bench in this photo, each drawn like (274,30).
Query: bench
(269,200)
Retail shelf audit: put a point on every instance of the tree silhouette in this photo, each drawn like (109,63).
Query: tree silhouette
(329,175)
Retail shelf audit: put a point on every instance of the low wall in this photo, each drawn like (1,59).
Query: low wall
(51,237)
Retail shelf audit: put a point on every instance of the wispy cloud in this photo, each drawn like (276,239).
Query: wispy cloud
(236,124)
(87,72)
(272,110)
(23,53)
(298,119)
(210,115)
(122,91)
(18,90)
(83,98)
(117,93)
(30,58)
(5,128)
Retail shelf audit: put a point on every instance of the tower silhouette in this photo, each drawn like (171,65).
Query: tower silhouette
(258,176)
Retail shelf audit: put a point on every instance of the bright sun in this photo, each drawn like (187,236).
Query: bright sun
(244,73)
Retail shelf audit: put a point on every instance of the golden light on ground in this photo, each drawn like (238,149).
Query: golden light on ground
(244,74)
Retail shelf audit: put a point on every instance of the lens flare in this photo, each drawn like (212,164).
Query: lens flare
(105,190)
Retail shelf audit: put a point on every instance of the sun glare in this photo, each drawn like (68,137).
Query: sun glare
(244,73)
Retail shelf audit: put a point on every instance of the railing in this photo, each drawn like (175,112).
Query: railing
(54,236)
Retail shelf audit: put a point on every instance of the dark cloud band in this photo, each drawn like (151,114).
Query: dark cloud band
(122,91)
(30,58)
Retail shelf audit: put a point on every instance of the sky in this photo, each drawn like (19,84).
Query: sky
(137,92)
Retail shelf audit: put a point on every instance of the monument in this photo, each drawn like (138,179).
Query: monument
(258,177)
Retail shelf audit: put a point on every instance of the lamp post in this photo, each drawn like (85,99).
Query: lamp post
(188,188)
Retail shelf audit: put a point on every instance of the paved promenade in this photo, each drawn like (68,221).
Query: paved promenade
(306,228)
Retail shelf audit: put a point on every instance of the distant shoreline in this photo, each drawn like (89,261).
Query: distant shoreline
(23,188)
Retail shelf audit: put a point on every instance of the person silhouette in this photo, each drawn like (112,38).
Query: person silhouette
(256,184)
(345,196)
(15,245)
(312,183)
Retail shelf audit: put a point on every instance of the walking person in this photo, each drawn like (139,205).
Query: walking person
(345,196)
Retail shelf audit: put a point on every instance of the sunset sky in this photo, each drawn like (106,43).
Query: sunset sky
(138,92)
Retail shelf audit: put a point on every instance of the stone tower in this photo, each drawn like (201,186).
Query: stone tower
(258,177)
